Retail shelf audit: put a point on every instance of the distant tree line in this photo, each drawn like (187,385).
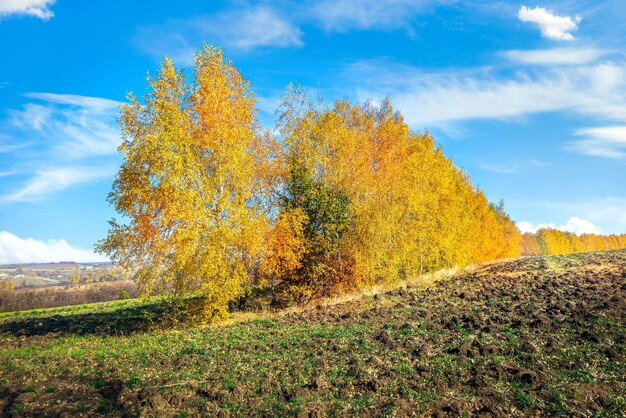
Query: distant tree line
(96,275)
(53,296)
(550,241)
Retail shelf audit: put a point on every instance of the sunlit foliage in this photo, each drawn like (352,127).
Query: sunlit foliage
(188,184)
(342,196)
(410,209)
(548,241)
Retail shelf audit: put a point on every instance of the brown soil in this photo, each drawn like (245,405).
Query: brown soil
(538,336)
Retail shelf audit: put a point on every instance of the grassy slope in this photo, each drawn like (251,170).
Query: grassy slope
(524,337)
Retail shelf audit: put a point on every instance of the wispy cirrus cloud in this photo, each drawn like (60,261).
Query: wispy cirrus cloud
(603,141)
(59,141)
(33,115)
(75,126)
(342,15)
(582,80)
(95,104)
(7,145)
(240,29)
(552,26)
(247,27)
(34,8)
(46,182)
(555,56)
(437,98)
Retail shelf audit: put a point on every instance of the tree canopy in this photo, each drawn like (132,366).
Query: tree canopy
(188,183)
(341,196)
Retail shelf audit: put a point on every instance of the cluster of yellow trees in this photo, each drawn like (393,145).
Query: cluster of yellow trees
(399,207)
(553,242)
(342,196)
(7,285)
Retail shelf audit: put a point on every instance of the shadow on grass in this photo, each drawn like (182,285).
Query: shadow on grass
(121,321)
(126,320)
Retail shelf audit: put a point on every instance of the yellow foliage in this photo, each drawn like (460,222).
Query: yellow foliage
(412,210)
(190,184)
(548,241)
(7,285)
(347,196)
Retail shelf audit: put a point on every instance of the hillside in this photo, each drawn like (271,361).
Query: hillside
(540,335)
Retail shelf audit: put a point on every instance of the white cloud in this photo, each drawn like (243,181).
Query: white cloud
(33,116)
(612,134)
(606,141)
(609,213)
(574,224)
(76,126)
(48,181)
(35,8)
(240,29)
(552,26)
(430,99)
(93,103)
(67,141)
(341,15)
(14,249)
(526,227)
(555,56)
(258,27)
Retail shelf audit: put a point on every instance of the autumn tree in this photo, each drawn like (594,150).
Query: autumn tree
(411,209)
(346,196)
(324,220)
(529,245)
(75,276)
(190,185)
(7,285)
(550,241)
(283,250)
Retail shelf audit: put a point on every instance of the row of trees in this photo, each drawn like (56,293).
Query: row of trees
(369,201)
(340,197)
(553,242)
(96,275)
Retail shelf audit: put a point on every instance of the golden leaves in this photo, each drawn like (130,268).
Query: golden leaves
(186,182)
(204,193)
(548,241)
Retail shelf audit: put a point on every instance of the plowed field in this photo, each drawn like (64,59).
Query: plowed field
(538,336)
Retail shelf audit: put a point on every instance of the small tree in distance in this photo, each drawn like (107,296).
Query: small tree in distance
(75,276)
(189,185)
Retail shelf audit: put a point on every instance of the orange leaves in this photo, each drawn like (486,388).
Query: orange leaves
(284,245)
(188,183)
(411,210)
(347,195)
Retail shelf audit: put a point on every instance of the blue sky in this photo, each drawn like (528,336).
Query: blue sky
(528,98)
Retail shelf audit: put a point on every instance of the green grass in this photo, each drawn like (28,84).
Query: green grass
(391,356)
